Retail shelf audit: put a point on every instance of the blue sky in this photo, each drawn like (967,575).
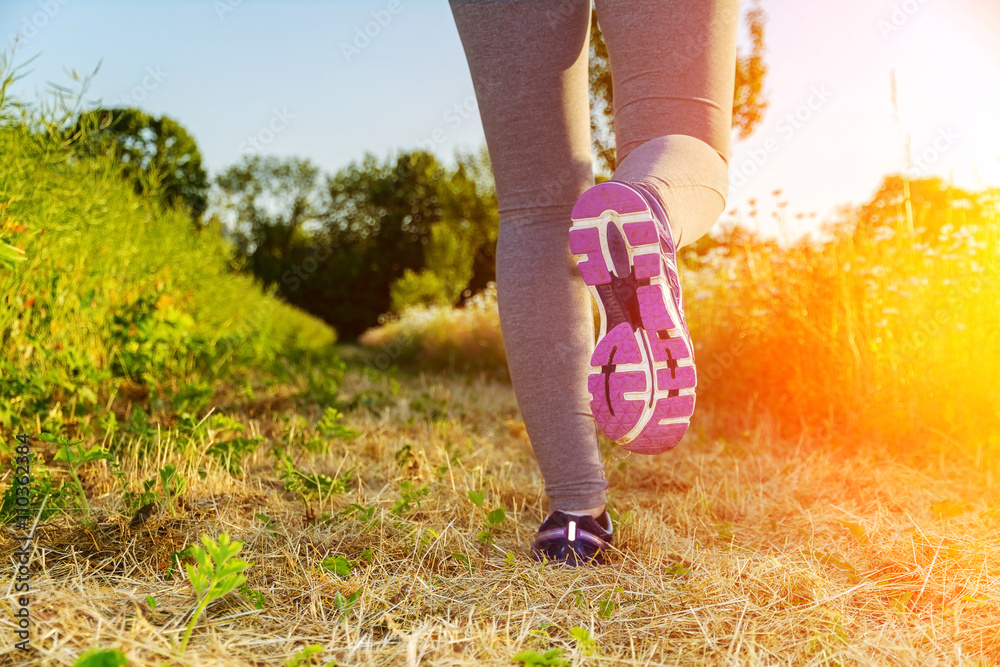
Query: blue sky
(288,78)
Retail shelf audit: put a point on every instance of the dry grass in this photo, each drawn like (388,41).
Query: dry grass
(759,551)
(466,339)
(876,332)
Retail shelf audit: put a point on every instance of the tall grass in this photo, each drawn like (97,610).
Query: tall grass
(866,336)
(112,288)
(466,339)
(880,336)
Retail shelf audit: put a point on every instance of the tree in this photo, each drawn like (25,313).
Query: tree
(156,154)
(475,200)
(267,204)
(378,235)
(376,227)
(749,103)
(460,256)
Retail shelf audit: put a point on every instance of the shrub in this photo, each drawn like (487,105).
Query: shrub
(465,339)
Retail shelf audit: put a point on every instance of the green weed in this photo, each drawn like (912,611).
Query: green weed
(535,659)
(584,642)
(216,573)
(254,597)
(75,455)
(231,452)
(101,657)
(305,656)
(492,519)
(345,604)
(409,499)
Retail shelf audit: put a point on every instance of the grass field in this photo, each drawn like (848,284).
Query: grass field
(827,507)
(746,551)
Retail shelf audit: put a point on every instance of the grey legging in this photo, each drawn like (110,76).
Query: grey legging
(673,67)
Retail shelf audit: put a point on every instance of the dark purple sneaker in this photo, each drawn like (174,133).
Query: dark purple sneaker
(643,378)
(573,540)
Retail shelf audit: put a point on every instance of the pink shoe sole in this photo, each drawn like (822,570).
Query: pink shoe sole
(643,379)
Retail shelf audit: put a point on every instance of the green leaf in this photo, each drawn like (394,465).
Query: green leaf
(331,426)
(606,606)
(477,497)
(304,656)
(549,658)
(216,574)
(345,604)
(75,455)
(463,559)
(9,255)
(339,565)
(496,516)
(101,657)
(255,598)
(583,640)
(677,570)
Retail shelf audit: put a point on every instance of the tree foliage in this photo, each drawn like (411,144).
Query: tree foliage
(419,233)
(379,222)
(268,202)
(460,256)
(749,102)
(156,154)
(376,236)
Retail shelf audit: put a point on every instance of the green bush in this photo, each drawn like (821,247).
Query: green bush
(113,286)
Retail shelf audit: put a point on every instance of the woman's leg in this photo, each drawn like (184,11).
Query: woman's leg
(673,65)
(528,61)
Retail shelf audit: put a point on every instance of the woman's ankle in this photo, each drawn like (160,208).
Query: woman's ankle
(593,511)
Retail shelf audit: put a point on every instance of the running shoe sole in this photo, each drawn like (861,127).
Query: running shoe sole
(643,380)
